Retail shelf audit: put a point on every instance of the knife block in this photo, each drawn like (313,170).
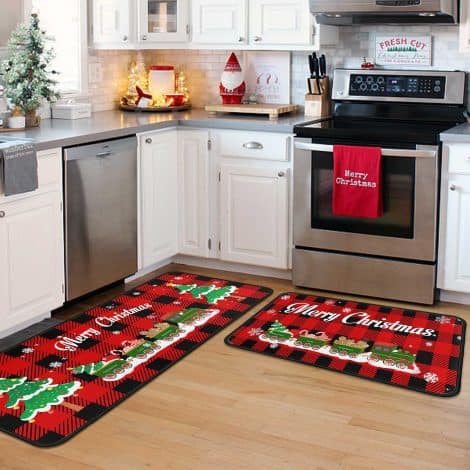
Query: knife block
(318,105)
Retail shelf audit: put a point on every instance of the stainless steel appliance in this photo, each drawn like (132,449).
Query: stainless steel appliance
(101,214)
(341,12)
(392,256)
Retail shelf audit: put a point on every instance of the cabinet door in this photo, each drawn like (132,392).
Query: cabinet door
(457,253)
(465,27)
(193,192)
(219,21)
(31,258)
(254,214)
(280,22)
(111,22)
(158,238)
(163,21)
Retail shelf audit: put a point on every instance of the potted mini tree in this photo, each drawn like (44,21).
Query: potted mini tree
(26,73)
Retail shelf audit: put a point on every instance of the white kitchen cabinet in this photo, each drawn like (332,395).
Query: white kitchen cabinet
(254,214)
(280,22)
(113,23)
(164,21)
(219,21)
(158,201)
(194,194)
(454,254)
(32,249)
(465,26)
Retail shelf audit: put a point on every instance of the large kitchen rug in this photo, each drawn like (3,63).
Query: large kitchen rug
(55,384)
(412,349)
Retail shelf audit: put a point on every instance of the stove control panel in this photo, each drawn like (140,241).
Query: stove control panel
(399,86)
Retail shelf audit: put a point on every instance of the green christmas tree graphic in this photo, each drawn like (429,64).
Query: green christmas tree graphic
(37,395)
(212,293)
(90,368)
(9,384)
(26,391)
(279,330)
(45,400)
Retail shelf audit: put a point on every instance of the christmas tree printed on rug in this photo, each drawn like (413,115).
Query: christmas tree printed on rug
(37,396)
(278,330)
(211,292)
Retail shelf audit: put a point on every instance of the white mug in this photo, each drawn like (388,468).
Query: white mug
(16,122)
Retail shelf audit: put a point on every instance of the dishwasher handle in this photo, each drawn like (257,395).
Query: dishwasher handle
(102,149)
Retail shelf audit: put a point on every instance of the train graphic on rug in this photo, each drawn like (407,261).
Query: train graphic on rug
(384,355)
(123,360)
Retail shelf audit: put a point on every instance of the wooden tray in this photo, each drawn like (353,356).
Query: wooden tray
(155,109)
(8,129)
(272,110)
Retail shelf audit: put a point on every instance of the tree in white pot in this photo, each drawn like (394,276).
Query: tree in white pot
(26,73)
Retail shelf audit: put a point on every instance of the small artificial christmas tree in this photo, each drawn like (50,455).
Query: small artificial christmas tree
(25,73)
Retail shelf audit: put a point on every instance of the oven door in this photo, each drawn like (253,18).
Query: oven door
(406,230)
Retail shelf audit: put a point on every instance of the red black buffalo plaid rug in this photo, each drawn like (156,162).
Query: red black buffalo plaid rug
(56,383)
(416,350)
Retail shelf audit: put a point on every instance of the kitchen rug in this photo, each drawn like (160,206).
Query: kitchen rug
(55,384)
(412,349)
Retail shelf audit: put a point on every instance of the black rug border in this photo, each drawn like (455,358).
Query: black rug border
(160,372)
(271,304)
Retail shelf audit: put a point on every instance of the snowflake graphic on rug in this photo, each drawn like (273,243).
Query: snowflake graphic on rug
(431,377)
(256,331)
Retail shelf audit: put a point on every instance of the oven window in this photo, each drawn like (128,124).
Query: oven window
(398,183)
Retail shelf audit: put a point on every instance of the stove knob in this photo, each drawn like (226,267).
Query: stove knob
(363,87)
(375,87)
(370,80)
(358,79)
(381,80)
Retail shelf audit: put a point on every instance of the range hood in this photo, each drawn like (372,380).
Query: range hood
(347,12)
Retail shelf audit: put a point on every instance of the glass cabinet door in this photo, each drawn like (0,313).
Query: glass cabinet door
(164,20)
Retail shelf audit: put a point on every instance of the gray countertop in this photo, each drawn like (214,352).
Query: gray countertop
(111,124)
(457,134)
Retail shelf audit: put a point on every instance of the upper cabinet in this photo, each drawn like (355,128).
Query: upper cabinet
(465,27)
(214,24)
(113,23)
(163,21)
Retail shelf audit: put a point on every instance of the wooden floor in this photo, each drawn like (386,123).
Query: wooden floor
(224,408)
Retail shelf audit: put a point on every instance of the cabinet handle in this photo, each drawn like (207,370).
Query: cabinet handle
(257,38)
(453,187)
(241,39)
(144,37)
(148,140)
(2,214)
(253,145)
(281,174)
(125,38)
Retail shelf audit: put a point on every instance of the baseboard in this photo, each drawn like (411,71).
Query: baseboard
(455,297)
(24,324)
(233,267)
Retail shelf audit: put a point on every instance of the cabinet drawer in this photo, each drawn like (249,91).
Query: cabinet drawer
(260,145)
(49,172)
(459,158)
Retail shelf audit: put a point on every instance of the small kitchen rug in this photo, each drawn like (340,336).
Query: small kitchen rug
(56,383)
(412,349)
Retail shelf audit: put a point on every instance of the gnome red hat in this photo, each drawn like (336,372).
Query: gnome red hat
(232,87)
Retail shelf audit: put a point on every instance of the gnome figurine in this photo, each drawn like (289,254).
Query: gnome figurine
(232,86)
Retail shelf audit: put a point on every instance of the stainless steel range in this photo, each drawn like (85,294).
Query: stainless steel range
(392,256)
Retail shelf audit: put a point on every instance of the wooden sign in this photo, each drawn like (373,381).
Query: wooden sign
(403,50)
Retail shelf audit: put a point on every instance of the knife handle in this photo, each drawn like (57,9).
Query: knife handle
(322,66)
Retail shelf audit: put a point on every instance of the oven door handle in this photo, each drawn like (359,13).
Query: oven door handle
(409,153)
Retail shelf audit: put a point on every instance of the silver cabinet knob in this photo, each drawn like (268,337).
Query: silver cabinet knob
(148,140)
(144,37)
(253,145)
(125,38)
(241,39)
(257,38)
(453,187)
(281,174)
(2,214)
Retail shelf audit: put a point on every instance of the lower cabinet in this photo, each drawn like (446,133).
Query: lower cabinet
(158,185)
(254,214)
(454,269)
(31,258)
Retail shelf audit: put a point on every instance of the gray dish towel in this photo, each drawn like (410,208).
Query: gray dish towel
(20,169)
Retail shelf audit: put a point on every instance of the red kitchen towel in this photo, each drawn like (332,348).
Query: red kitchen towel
(357,185)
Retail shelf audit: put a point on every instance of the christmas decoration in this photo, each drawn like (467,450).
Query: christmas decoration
(26,391)
(278,330)
(25,73)
(181,86)
(9,384)
(144,100)
(212,293)
(232,86)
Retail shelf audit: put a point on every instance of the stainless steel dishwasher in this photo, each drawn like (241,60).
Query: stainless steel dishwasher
(101,214)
